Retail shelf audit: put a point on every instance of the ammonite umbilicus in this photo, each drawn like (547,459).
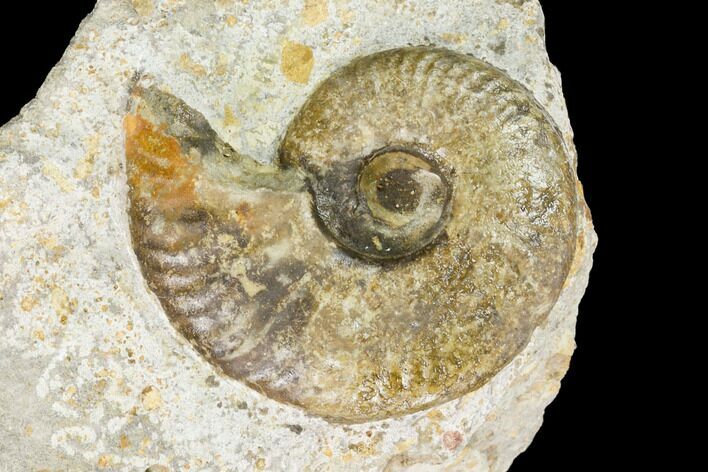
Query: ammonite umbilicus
(419,224)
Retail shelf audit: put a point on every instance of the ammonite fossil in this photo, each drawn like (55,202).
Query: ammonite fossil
(419,224)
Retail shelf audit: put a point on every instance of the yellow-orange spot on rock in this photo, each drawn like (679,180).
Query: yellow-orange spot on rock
(100,386)
(222,65)
(314,12)
(530,39)
(62,304)
(403,446)
(231,20)
(297,62)
(53,172)
(85,166)
(150,398)
(124,442)
(187,64)
(229,117)
(454,38)
(366,448)
(143,7)
(70,391)
(28,303)
(54,249)
(346,16)
(104,461)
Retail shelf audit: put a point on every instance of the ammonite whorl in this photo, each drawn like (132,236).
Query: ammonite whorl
(420,225)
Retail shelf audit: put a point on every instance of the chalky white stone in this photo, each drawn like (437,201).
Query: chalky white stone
(94,376)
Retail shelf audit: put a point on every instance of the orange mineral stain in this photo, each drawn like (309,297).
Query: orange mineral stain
(156,166)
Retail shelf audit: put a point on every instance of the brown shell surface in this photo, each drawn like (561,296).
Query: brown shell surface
(240,256)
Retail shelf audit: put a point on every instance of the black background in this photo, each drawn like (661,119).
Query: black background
(593,417)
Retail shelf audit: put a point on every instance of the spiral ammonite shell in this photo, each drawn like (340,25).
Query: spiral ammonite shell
(419,224)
